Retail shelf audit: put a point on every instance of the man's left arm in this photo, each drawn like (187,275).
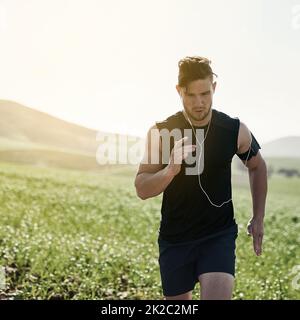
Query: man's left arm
(257,170)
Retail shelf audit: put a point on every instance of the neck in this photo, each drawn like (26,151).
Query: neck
(199,123)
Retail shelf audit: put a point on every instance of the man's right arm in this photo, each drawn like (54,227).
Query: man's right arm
(152,184)
(152,179)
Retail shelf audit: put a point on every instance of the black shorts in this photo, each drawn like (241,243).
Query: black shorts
(181,264)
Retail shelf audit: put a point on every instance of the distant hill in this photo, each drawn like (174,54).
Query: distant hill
(21,125)
(287,147)
(31,136)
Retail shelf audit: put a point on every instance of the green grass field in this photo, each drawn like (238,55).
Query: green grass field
(81,235)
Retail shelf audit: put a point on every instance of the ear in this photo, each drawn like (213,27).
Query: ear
(214,85)
(179,90)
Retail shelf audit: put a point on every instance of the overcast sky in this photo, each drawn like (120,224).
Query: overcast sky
(112,65)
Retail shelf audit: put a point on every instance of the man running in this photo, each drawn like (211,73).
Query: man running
(197,229)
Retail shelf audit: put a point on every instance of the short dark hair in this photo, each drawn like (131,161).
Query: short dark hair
(193,68)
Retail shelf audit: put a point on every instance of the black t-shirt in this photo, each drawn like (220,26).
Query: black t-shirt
(186,213)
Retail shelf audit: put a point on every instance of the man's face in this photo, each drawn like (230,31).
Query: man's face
(197,98)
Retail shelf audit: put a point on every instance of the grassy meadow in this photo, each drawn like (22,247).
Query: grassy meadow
(85,235)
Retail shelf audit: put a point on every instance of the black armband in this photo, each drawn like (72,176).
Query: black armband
(253,150)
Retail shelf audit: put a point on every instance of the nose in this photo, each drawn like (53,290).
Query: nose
(199,101)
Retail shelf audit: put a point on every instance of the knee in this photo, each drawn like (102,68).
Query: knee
(185,296)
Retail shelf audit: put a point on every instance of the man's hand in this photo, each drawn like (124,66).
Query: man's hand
(178,154)
(255,228)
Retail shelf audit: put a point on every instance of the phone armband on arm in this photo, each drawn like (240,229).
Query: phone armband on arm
(253,152)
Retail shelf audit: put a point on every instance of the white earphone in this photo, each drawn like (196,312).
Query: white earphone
(200,145)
